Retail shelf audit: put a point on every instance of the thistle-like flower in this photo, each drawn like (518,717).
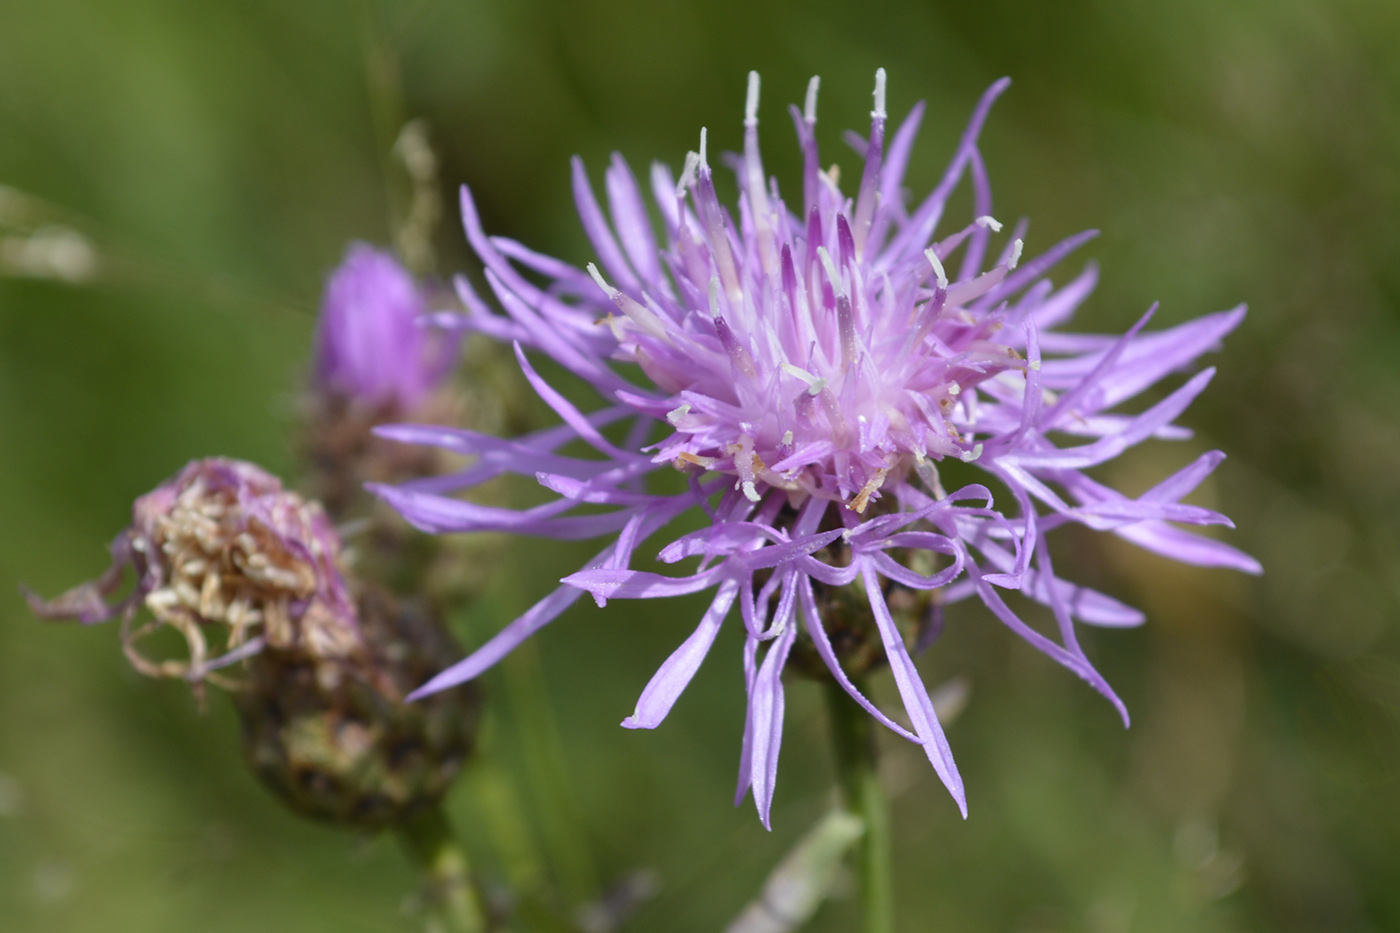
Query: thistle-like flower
(808,373)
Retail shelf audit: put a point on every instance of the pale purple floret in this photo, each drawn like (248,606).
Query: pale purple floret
(371,345)
(807,372)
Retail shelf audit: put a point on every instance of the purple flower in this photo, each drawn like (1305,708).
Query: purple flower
(371,346)
(222,546)
(808,373)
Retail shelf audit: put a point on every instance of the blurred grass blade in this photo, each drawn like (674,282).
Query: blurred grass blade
(802,879)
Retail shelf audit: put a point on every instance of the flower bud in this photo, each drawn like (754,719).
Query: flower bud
(374,362)
(347,748)
(371,346)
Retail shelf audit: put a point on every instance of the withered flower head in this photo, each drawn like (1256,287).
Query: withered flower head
(228,558)
(247,571)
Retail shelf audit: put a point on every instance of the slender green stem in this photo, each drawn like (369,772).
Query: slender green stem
(542,755)
(853,740)
(453,900)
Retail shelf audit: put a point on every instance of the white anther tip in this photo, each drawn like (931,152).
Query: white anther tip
(751,102)
(692,163)
(598,277)
(879,112)
(1015,259)
(831,271)
(704,165)
(809,112)
(988,222)
(938,273)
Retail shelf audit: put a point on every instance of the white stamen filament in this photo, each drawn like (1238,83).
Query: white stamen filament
(968,456)
(938,273)
(598,277)
(636,312)
(753,171)
(814,384)
(831,272)
(809,112)
(879,112)
(692,164)
(988,222)
(714,297)
(797,372)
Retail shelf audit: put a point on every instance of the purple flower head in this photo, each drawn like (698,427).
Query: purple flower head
(371,345)
(808,371)
(222,546)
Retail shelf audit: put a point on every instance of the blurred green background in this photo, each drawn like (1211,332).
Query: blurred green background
(218,157)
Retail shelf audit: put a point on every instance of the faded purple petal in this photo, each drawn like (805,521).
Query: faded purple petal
(674,675)
(766,713)
(915,695)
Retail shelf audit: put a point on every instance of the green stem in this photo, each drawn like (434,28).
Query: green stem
(453,900)
(853,740)
(542,754)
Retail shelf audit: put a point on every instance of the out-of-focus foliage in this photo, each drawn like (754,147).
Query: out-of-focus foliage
(194,169)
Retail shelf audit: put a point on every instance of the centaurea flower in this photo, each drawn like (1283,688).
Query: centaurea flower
(807,372)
